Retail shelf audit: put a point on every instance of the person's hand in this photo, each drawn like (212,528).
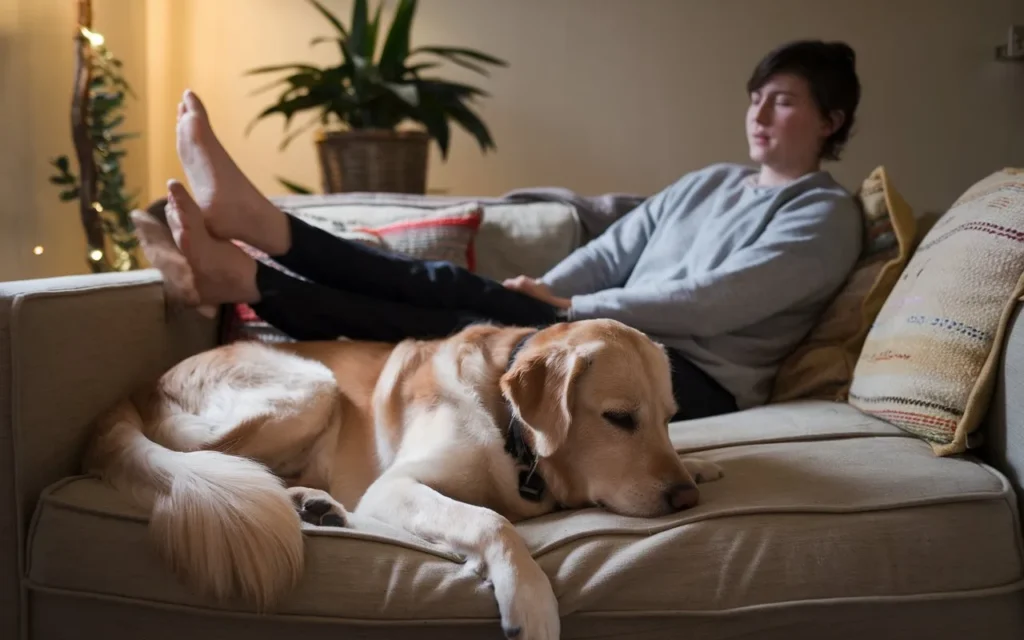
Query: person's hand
(535,289)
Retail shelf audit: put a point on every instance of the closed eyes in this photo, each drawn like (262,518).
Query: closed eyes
(621,419)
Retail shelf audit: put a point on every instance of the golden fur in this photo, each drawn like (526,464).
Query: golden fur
(233,444)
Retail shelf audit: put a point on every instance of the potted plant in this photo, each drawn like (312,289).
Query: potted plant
(361,102)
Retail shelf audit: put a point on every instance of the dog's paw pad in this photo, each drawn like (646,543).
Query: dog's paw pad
(702,477)
(703,471)
(318,507)
(332,520)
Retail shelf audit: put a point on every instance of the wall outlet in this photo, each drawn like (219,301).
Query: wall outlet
(1014,47)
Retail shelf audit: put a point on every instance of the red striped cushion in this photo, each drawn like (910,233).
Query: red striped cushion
(445,234)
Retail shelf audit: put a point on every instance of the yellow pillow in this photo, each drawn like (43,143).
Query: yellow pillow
(822,365)
(929,361)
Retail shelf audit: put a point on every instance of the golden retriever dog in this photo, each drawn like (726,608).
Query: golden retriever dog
(453,440)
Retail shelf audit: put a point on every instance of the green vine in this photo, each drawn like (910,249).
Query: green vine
(104,117)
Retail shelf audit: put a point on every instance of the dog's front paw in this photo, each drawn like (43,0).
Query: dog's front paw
(528,606)
(702,471)
(318,507)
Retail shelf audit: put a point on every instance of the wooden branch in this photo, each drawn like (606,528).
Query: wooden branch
(80,131)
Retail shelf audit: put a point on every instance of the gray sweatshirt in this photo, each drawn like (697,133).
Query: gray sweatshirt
(731,274)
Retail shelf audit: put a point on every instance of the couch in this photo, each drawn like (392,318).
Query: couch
(829,522)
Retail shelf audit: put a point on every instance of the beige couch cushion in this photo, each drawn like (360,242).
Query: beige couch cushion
(514,239)
(820,503)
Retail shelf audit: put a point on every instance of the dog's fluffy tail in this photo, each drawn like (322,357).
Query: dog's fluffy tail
(224,523)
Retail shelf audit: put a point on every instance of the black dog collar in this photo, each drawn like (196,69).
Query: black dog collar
(531,485)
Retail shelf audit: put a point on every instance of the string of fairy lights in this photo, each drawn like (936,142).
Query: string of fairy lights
(95,255)
(96,41)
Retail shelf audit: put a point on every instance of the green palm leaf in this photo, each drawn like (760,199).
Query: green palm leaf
(360,25)
(281,67)
(433,117)
(449,52)
(407,93)
(451,90)
(374,31)
(330,18)
(294,187)
(287,140)
(396,47)
(288,108)
(472,123)
(303,79)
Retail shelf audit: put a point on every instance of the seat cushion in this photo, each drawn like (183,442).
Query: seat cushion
(820,503)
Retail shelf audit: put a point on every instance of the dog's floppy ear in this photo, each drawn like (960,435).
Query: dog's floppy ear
(541,387)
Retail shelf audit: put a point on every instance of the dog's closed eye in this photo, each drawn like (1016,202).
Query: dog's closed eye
(622,419)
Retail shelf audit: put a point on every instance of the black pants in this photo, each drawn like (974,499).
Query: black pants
(364,293)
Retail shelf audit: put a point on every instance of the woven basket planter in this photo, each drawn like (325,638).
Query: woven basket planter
(375,160)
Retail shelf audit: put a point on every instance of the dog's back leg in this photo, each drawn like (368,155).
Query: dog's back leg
(277,408)
(224,523)
(204,457)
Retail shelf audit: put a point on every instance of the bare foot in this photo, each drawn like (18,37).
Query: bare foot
(221,272)
(231,205)
(159,248)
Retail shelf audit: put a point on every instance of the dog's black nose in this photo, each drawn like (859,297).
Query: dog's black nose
(682,495)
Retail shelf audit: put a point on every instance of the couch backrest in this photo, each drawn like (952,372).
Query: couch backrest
(69,348)
(1003,430)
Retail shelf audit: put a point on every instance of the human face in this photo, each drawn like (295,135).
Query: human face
(785,127)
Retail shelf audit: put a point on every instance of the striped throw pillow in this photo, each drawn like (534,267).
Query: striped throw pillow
(445,234)
(928,363)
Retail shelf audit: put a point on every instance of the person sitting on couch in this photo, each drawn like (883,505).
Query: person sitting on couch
(729,267)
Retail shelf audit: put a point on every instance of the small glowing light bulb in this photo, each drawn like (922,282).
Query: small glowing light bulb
(38,250)
(95,39)
(96,255)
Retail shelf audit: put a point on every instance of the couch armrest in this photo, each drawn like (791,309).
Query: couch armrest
(69,348)
(1004,424)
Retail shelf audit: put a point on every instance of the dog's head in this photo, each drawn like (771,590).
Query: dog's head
(595,398)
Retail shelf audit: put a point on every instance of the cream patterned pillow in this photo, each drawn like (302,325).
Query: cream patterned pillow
(928,363)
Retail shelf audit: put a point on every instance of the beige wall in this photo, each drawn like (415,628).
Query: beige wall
(601,95)
(36,75)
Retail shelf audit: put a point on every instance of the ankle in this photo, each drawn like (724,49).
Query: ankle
(265,228)
(246,285)
(277,232)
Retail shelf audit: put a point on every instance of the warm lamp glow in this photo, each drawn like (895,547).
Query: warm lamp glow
(95,39)
(38,250)
(96,255)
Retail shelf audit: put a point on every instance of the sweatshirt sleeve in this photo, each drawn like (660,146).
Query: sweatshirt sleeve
(607,260)
(803,256)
